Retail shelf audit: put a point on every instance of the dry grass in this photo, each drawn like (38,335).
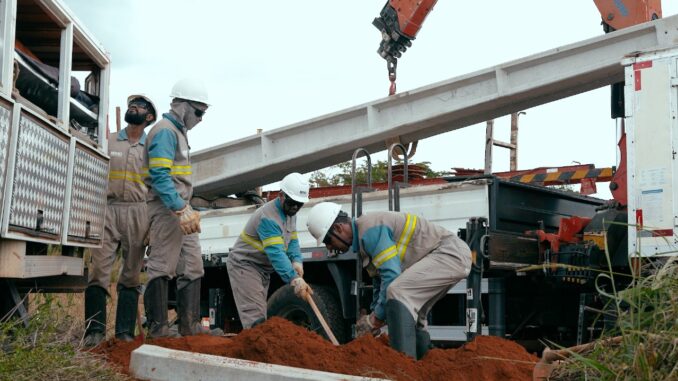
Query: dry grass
(51,346)
(648,325)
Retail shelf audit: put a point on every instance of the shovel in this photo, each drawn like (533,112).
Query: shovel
(321,319)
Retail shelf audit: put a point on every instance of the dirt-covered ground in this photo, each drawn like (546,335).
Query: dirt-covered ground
(280,342)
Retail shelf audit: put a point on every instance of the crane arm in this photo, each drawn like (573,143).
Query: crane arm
(400,21)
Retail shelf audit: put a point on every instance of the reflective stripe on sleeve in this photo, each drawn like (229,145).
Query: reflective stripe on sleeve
(384,256)
(406,235)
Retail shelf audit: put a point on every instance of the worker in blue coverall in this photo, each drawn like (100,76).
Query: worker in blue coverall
(174,225)
(268,243)
(412,261)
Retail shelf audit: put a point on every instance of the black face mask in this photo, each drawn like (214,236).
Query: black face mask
(291,207)
(135,118)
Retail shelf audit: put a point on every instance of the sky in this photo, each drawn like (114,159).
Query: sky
(268,64)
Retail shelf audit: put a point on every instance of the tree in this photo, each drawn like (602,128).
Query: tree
(340,174)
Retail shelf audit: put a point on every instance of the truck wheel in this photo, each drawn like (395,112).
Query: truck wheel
(286,304)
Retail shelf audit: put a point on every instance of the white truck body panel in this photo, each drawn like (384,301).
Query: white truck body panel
(652,139)
(448,205)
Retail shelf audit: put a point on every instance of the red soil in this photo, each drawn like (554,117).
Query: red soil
(280,342)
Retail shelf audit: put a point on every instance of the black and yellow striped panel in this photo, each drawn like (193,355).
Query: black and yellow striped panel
(566,177)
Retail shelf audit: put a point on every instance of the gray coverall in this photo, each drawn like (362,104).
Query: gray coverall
(126,216)
(413,261)
(173,253)
(268,243)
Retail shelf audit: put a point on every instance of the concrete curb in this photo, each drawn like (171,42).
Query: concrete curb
(150,362)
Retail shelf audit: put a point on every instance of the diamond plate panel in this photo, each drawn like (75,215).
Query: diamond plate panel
(39,178)
(5,121)
(88,198)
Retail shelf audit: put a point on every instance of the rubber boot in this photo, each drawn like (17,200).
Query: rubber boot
(155,301)
(188,309)
(257,322)
(126,313)
(401,328)
(423,342)
(95,315)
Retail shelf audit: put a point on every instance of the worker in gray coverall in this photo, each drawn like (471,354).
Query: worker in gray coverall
(126,225)
(174,224)
(412,261)
(268,243)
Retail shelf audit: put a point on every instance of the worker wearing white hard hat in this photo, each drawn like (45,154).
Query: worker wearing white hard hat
(268,243)
(174,225)
(413,264)
(126,225)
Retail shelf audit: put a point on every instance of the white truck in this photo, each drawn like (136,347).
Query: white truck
(540,248)
(53,148)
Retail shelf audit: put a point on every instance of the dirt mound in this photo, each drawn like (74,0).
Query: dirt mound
(280,342)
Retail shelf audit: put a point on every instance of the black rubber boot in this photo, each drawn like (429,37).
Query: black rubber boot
(257,322)
(126,313)
(401,328)
(95,315)
(188,309)
(155,301)
(423,342)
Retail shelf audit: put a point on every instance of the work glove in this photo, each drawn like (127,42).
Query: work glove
(299,268)
(189,220)
(301,288)
(368,324)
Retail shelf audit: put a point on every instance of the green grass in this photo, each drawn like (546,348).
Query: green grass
(49,348)
(648,326)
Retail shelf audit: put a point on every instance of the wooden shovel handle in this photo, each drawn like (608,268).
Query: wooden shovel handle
(328,331)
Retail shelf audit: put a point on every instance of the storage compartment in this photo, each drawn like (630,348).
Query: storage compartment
(87,197)
(40,179)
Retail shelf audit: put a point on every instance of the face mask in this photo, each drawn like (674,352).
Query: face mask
(291,207)
(138,117)
(192,116)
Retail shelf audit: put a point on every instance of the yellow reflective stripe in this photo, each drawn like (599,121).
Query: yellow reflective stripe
(162,160)
(124,175)
(251,241)
(275,240)
(181,170)
(385,255)
(154,165)
(406,235)
(294,236)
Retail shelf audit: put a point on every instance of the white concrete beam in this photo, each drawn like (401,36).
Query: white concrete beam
(150,362)
(426,111)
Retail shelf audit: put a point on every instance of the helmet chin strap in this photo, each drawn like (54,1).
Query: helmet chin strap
(335,235)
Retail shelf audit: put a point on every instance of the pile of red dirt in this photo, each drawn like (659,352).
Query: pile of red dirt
(280,342)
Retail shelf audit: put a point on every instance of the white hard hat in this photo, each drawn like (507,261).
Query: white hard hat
(295,186)
(153,110)
(190,89)
(320,219)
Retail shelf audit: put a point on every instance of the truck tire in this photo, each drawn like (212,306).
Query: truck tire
(286,304)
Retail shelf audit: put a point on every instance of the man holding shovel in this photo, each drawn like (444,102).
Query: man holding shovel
(269,243)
